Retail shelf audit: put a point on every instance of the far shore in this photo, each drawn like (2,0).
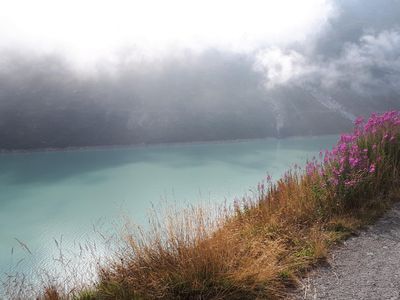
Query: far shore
(142,145)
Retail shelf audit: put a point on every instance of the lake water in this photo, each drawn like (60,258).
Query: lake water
(46,195)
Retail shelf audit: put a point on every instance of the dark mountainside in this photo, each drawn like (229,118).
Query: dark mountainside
(219,97)
(338,73)
(43,104)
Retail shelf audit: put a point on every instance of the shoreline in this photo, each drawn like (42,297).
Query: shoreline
(145,145)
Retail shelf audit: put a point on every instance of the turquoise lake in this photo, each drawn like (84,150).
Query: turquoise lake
(63,195)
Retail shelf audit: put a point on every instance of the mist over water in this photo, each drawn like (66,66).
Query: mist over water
(62,195)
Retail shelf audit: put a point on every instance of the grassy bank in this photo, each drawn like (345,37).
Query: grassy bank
(261,246)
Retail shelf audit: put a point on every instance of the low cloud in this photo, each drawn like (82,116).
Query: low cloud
(372,63)
(280,67)
(86,32)
(368,66)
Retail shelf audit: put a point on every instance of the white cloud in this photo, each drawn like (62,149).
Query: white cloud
(370,65)
(92,29)
(280,67)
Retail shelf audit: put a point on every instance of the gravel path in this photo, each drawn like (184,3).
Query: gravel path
(364,267)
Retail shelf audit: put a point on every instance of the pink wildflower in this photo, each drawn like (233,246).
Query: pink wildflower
(372,168)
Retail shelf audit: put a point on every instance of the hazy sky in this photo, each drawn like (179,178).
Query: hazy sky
(90,30)
(308,43)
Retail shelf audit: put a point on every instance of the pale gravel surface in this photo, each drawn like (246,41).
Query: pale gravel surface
(364,267)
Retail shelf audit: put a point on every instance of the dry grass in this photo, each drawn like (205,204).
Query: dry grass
(258,251)
(255,250)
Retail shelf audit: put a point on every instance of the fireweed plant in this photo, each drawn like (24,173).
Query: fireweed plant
(260,247)
(362,163)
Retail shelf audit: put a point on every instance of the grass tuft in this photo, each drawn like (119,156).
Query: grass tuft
(260,247)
